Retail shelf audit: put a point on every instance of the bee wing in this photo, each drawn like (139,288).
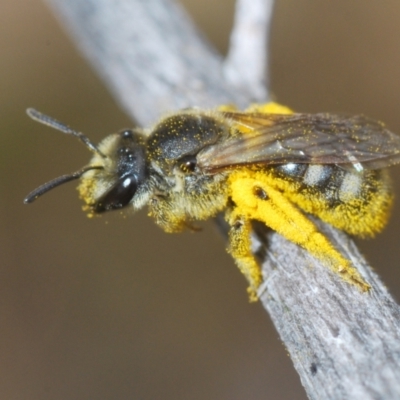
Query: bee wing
(354,141)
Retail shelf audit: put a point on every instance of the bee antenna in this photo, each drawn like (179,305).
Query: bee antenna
(32,196)
(53,123)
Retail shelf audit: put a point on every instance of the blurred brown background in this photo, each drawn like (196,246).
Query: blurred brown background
(113,308)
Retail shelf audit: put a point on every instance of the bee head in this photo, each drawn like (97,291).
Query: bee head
(114,175)
(118,170)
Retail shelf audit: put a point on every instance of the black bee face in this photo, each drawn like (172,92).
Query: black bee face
(119,170)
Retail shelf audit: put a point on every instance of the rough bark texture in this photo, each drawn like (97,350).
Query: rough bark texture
(344,344)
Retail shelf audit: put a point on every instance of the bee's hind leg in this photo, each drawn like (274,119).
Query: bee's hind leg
(240,249)
(254,196)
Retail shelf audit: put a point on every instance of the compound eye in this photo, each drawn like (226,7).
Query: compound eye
(118,196)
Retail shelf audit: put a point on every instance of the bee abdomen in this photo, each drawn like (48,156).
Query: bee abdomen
(333,183)
(310,175)
(357,202)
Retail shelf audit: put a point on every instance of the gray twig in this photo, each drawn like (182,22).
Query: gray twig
(246,66)
(344,344)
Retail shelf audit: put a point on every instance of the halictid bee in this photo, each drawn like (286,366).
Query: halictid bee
(266,164)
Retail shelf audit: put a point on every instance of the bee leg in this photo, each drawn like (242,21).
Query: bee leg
(165,216)
(255,198)
(240,249)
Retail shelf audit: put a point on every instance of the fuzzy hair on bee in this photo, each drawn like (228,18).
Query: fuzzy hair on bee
(263,164)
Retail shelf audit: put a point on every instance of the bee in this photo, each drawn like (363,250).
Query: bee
(266,163)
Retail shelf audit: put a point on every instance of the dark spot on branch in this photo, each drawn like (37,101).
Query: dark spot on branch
(313,369)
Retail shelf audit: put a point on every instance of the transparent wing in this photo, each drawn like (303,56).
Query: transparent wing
(303,138)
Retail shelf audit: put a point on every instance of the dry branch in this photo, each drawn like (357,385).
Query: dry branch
(344,344)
